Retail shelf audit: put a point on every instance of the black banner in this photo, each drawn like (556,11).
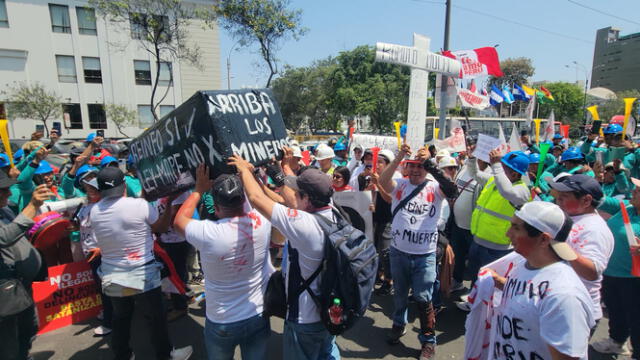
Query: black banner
(209,127)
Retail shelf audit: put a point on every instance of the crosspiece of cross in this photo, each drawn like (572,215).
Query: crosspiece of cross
(417,58)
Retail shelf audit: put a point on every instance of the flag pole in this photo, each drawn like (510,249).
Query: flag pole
(443,89)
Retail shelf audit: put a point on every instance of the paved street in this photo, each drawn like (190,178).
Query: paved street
(365,341)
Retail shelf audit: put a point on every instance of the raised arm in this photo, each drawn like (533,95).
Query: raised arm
(258,199)
(185,214)
(386,178)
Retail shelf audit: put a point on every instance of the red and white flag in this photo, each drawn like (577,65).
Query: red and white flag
(472,99)
(478,62)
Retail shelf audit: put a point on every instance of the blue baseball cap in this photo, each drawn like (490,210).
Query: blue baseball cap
(90,137)
(107,160)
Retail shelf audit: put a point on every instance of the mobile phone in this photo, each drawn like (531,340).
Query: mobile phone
(595,127)
(57,127)
(100,133)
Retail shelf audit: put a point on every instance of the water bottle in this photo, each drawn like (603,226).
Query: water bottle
(335,312)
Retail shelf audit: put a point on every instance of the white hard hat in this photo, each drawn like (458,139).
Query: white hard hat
(296,151)
(443,152)
(447,161)
(388,154)
(324,152)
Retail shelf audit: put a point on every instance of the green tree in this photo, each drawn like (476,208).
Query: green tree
(360,86)
(121,116)
(32,102)
(515,70)
(613,107)
(567,105)
(267,22)
(160,28)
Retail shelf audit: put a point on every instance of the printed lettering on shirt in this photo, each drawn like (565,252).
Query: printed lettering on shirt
(515,287)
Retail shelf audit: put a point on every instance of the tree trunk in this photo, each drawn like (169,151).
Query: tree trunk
(46,128)
(155,83)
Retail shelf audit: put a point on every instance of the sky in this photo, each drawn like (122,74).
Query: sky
(567,32)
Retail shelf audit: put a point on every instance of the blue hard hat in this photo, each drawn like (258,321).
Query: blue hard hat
(107,160)
(83,171)
(339,147)
(43,168)
(90,137)
(4,160)
(130,160)
(534,158)
(572,153)
(612,129)
(558,136)
(18,155)
(516,160)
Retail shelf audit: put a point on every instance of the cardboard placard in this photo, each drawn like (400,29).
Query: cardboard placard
(208,128)
(359,201)
(70,295)
(484,146)
(369,141)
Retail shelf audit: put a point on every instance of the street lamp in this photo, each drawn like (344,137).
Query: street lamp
(586,84)
(229,65)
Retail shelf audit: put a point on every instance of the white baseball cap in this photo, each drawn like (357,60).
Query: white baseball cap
(549,218)
(297,152)
(447,161)
(388,154)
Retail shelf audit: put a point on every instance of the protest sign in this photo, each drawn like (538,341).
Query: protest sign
(453,143)
(208,128)
(70,295)
(473,100)
(484,146)
(369,141)
(356,205)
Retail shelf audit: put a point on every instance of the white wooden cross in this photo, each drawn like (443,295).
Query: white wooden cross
(421,61)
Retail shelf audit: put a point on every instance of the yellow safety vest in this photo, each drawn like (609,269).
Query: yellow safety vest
(492,216)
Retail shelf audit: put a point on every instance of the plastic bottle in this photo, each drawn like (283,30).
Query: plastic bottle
(335,312)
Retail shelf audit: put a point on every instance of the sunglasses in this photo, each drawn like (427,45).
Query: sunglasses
(337,176)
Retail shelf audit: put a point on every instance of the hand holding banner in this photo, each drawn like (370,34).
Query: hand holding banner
(628,105)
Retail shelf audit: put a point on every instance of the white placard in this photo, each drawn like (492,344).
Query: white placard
(484,146)
(358,201)
(369,141)
(417,58)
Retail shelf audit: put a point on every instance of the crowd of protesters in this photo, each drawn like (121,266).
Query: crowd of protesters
(440,219)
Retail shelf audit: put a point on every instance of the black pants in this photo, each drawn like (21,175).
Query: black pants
(150,303)
(621,297)
(461,240)
(107,307)
(17,333)
(178,252)
(382,241)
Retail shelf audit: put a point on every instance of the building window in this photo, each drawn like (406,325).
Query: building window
(97,117)
(66,69)
(144,26)
(92,71)
(72,116)
(60,18)
(4,18)
(86,21)
(165,74)
(165,109)
(142,70)
(145,117)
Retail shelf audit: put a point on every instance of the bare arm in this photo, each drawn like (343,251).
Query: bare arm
(184,215)
(585,268)
(164,221)
(288,195)
(386,178)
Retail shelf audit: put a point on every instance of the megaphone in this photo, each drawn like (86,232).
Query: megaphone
(63,205)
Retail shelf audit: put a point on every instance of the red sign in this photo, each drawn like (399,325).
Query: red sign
(70,295)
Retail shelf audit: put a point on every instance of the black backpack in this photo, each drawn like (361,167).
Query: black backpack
(348,272)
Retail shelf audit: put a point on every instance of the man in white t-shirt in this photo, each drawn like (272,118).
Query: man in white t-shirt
(305,336)
(545,312)
(590,238)
(123,228)
(178,249)
(414,240)
(235,260)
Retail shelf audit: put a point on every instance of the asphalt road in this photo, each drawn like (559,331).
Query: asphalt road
(365,341)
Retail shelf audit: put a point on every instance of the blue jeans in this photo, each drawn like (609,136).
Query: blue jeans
(417,272)
(251,334)
(309,342)
(480,256)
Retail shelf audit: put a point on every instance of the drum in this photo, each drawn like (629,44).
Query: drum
(49,228)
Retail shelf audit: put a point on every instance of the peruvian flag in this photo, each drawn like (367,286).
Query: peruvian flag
(478,62)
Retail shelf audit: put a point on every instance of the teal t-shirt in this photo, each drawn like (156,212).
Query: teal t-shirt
(134,187)
(620,261)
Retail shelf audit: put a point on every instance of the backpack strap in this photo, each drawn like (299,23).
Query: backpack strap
(404,201)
